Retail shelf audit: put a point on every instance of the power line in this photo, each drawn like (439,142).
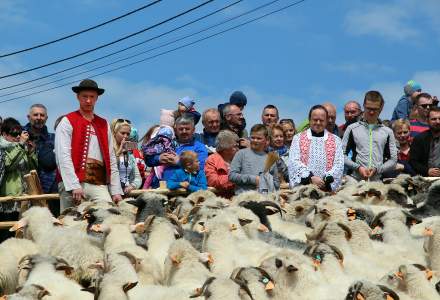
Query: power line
(154,48)
(110,43)
(117,52)
(82,31)
(165,52)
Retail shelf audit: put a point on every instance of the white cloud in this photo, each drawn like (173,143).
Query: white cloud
(388,19)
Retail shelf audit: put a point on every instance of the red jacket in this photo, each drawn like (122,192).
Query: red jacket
(80,142)
(217,173)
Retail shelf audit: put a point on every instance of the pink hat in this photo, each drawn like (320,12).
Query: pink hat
(166,117)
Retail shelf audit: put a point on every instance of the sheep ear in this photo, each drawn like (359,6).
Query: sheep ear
(175,260)
(263,228)
(18,225)
(376,221)
(128,286)
(139,228)
(57,222)
(202,291)
(410,219)
(99,228)
(206,257)
(348,233)
(390,294)
(63,265)
(428,231)
(359,296)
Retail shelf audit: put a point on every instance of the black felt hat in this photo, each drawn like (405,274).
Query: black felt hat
(88,84)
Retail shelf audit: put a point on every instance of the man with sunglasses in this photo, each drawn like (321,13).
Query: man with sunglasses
(423,104)
(84,152)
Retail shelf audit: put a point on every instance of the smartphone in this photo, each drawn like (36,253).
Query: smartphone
(129,146)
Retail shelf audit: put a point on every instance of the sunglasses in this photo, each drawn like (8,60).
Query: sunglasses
(15,132)
(123,120)
(425,106)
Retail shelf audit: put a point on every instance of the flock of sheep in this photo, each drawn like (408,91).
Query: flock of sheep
(369,241)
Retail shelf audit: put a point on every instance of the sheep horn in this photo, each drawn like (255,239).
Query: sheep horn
(133,259)
(63,265)
(128,286)
(410,219)
(43,292)
(236,277)
(202,291)
(389,292)
(321,228)
(271,207)
(149,221)
(338,252)
(376,221)
(348,233)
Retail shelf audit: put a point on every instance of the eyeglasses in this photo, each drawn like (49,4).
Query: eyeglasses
(15,132)
(373,109)
(123,120)
(426,106)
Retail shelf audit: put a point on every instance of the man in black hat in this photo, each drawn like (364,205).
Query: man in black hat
(85,157)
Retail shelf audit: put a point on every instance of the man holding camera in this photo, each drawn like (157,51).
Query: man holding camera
(84,152)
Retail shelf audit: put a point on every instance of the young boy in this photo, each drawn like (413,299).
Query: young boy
(188,176)
(248,164)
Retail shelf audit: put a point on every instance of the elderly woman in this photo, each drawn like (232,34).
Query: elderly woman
(128,172)
(316,155)
(217,164)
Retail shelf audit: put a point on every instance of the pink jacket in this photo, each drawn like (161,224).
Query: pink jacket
(217,172)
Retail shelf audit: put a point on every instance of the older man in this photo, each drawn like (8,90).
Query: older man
(425,149)
(331,119)
(234,121)
(270,116)
(45,143)
(352,113)
(84,152)
(185,140)
(316,154)
(211,128)
(423,104)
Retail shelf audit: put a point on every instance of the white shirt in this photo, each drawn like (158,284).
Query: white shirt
(63,155)
(317,161)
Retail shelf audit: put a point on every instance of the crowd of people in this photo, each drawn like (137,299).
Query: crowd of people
(90,158)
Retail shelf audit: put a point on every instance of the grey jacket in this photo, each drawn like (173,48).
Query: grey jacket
(246,166)
(373,147)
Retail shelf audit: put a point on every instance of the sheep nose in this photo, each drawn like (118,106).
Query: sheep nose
(291,269)
(202,223)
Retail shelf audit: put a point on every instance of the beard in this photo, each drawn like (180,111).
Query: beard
(38,124)
(435,129)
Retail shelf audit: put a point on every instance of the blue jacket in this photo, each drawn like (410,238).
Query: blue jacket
(206,138)
(402,109)
(197,147)
(196,181)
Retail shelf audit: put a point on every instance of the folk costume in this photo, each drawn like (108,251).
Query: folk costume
(85,158)
(316,154)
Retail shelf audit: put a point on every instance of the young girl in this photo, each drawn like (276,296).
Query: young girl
(277,144)
(289,131)
(188,176)
(401,129)
(128,171)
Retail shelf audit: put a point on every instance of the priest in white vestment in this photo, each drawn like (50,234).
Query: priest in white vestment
(316,155)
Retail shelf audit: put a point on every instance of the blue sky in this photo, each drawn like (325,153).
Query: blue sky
(318,51)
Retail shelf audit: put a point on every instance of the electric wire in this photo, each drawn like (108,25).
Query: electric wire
(165,52)
(82,31)
(116,52)
(108,44)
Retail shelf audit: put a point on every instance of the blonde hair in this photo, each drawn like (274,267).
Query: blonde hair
(188,157)
(400,123)
(115,126)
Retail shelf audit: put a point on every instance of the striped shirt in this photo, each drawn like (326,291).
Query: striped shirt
(417,127)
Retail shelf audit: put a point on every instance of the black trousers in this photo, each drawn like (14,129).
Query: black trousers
(5,233)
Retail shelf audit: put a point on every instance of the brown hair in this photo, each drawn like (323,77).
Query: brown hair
(433,109)
(374,96)
(400,123)
(260,128)
(188,157)
(147,136)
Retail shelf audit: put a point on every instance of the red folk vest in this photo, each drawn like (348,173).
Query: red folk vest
(81,139)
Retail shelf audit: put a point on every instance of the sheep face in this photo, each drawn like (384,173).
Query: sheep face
(322,254)
(366,290)
(284,264)
(149,204)
(32,291)
(297,211)
(253,279)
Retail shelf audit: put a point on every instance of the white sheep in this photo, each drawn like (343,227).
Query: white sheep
(72,245)
(255,281)
(432,246)
(29,292)
(220,289)
(185,267)
(370,291)
(44,273)
(11,252)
